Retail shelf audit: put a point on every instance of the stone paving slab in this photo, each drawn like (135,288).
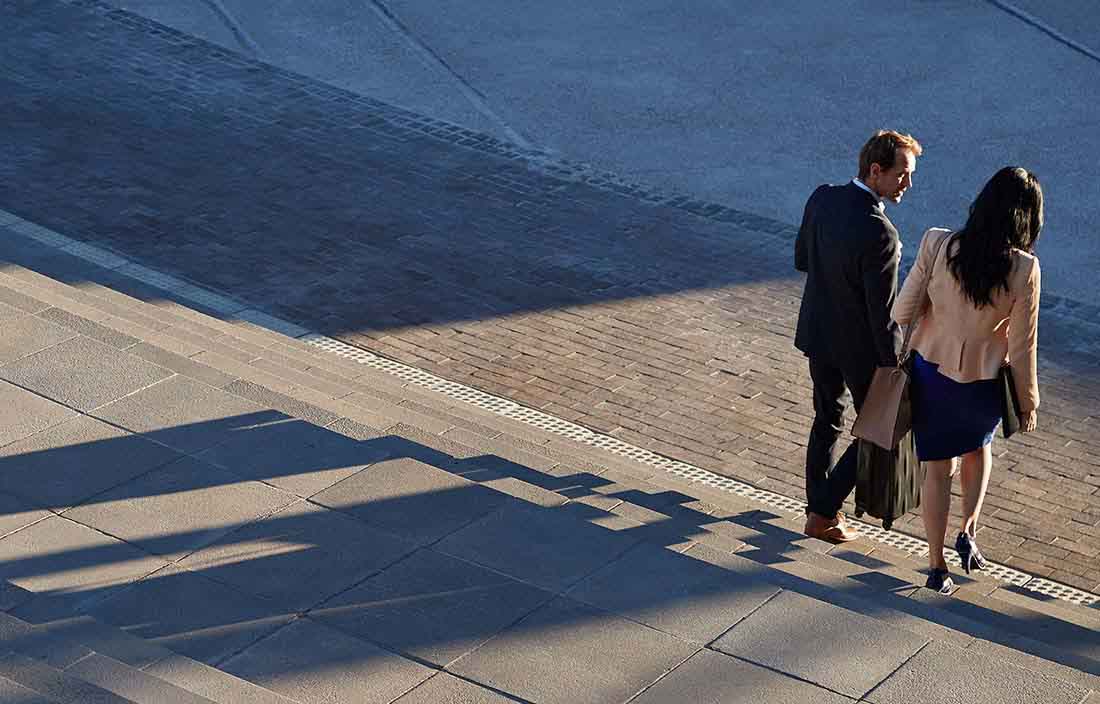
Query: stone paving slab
(715,677)
(697,597)
(939,673)
(24,413)
(431,606)
(298,556)
(797,635)
(109,375)
(567,652)
(297,662)
(184,414)
(30,334)
(21,637)
(132,684)
(537,545)
(443,688)
(668,329)
(212,683)
(411,499)
(73,461)
(191,615)
(294,455)
(15,513)
(158,511)
(56,685)
(18,694)
(59,556)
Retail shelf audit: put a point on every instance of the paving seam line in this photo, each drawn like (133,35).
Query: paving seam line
(234,310)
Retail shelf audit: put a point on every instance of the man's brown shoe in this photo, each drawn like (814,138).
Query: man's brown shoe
(834,530)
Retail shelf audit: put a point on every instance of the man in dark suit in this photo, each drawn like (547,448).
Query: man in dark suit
(850,251)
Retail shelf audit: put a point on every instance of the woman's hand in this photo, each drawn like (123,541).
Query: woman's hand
(1028,421)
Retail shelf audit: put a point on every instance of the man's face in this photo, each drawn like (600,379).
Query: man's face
(892,184)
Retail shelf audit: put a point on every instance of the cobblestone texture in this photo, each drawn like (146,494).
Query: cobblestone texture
(664,321)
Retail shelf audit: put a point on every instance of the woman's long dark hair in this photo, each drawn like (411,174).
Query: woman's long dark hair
(1006,215)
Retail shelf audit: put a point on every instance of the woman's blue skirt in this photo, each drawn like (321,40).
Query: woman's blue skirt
(951,419)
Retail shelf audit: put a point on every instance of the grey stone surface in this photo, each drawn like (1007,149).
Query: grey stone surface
(1041,657)
(313,664)
(11,595)
(88,328)
(295,455)
(75,460)
(106,373)
(444,688)
(20,300)
(282,402)
(184,414)
(15,693)
(179,507)
(431,606)
(411,499)
(190,614)
(820,643)
(131,683)
(1005,617)
(566,651)
(181,364)
(939,673)
(679,594)
(21,637)
(56,685)
(16,513)
(9,313)
(714,677)
(298,556)
(58,555)
(537,545)
(212,683)
(23,413)
(99,637)
(29,334)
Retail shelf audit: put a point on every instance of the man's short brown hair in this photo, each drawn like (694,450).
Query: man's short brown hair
(882,149)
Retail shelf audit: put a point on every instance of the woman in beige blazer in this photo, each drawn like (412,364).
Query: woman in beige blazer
(981,311)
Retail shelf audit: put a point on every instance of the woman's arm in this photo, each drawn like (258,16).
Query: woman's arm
(1023,340)
(912,297)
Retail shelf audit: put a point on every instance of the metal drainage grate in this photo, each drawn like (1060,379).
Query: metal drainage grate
(907,543)
(228,306)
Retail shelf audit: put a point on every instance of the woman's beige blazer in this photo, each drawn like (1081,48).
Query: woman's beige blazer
(970,343)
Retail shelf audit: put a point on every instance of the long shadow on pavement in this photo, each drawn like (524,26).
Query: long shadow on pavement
(422,553)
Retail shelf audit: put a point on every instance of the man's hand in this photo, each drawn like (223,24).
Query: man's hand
(1028,421)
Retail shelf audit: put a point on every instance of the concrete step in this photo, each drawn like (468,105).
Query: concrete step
(54,684)
(374,398)
(394,405)
(578,480)
(192,345)
(116,661)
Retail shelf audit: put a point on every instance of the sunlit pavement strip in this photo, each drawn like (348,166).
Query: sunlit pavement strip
(227,306)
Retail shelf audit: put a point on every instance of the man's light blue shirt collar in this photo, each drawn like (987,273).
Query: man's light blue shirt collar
(867,188)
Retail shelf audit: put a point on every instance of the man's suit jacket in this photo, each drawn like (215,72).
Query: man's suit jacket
(850,251)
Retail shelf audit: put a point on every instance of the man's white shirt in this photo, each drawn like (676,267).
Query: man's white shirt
(864,186)
(880,204)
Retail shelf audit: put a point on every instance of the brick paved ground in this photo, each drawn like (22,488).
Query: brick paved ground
(665,322)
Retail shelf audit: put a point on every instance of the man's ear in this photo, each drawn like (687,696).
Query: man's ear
(875,172)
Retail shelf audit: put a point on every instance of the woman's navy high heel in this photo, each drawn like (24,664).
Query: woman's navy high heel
(969,554)
(940,580)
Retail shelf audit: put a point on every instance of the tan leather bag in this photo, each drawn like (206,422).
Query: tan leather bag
(887,412)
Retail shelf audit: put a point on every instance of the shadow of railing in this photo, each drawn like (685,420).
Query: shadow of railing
(296,560)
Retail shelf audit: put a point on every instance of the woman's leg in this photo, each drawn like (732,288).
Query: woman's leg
(976,466)
(935,504)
